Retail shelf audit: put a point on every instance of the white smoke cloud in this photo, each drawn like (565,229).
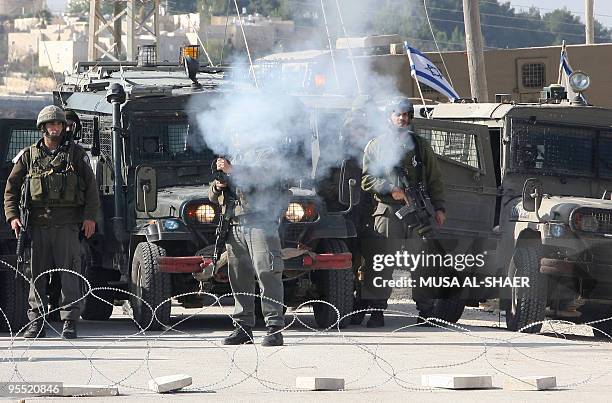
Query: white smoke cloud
(270,118)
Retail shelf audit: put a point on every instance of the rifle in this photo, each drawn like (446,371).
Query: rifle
(416,214)
(221,234)
(223,227)
(24,216)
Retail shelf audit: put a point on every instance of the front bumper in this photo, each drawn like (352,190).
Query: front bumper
(293,260)
(574,268)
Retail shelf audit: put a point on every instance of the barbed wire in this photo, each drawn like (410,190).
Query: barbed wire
(237,373)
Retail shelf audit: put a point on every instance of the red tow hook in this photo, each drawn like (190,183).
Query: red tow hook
(183,264)
(328,261)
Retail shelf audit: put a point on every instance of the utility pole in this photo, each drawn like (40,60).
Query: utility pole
(474,47)
(146,22)
(589,25)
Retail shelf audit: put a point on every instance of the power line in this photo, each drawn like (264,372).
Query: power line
(524,18)
(373,11)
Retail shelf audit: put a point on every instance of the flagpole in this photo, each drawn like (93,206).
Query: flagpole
(561,62)
(421,94)
(415,77)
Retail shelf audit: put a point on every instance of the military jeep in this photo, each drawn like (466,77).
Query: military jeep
(153,171)
(535,202)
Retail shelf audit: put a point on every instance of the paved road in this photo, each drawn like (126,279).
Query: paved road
(381,365)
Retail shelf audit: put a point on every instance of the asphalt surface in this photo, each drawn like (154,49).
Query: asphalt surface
(377,364)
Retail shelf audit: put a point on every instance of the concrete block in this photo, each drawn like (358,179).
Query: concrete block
(397,49)
(315,383)
(457,381)
(89,390)
(531,383)
(169,383)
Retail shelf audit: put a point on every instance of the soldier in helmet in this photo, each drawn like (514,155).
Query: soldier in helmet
(73,124)
(64,201)
(73,130)
(392,162)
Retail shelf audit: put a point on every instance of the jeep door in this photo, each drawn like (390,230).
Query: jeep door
(466,162)
(15,134)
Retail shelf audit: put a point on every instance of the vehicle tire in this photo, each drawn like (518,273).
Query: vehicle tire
(337,288)
(527,305)
(151,285)
(94,309)
(594,312)
(13,301)
(449,309)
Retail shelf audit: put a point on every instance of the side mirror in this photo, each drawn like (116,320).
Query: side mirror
(146,189)
(532,195)
(349,187)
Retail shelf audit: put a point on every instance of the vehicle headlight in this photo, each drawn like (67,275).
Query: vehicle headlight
(589,223)
(171,225)
(591,220)
(203,213)
(579,81)
(301,212)
(295,212)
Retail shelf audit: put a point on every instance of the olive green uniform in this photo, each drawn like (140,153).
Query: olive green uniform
(253,245)
(379,178)
(63,194)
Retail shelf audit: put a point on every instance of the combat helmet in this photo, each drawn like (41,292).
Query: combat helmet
(50,113)
(400,105)
(72,115)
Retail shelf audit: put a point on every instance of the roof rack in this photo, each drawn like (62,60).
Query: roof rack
(132,65)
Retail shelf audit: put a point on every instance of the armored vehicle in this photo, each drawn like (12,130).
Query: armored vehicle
(535,201)
(15,134)
(153,171)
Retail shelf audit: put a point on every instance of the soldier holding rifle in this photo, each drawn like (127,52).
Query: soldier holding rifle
(63,200)
(395,165)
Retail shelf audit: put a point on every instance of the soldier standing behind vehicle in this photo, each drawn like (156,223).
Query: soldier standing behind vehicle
(393,161)
(254,201)
(64,199)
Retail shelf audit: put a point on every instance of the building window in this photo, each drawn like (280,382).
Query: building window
(533,75)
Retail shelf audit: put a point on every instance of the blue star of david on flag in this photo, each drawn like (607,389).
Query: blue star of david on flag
(423,70)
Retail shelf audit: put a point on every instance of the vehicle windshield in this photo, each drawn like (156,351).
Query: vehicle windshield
(165,140)
(546,149)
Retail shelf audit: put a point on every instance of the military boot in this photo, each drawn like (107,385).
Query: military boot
(70,329)
(240,335)
(273,338)
(35,330)
(377,319)
(357,317)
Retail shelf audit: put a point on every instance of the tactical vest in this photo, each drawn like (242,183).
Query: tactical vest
(54,181)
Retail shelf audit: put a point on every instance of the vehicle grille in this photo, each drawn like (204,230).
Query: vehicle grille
(605,221)
(598,221)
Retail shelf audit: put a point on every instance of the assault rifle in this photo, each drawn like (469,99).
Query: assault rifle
(223,227)
(23,240)
(415,213)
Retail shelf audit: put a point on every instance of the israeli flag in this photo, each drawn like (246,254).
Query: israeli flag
(565,70)
(565,65)
(424,71)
